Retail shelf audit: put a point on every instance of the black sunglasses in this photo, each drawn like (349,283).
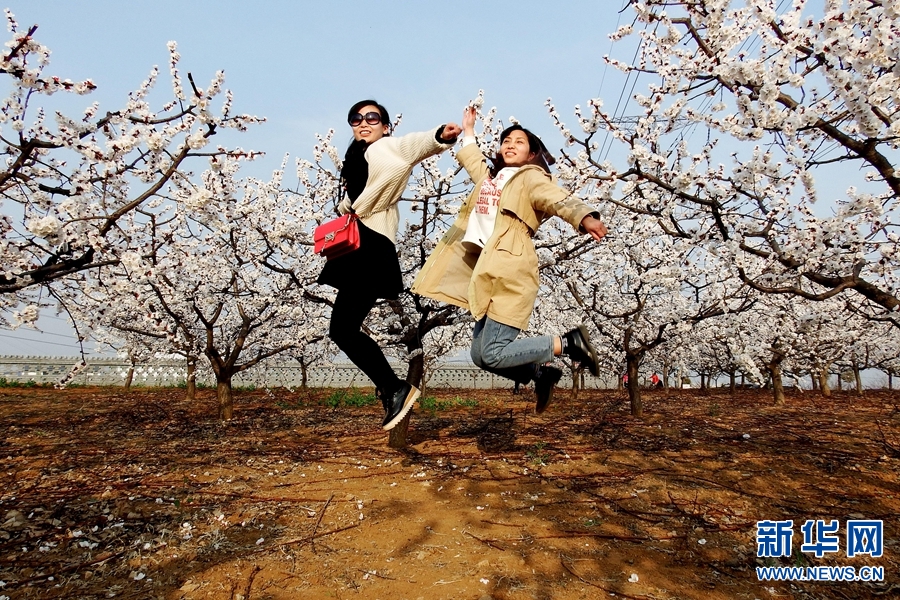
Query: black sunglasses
(372,118)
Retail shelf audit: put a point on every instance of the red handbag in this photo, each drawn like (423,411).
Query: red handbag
(337,237)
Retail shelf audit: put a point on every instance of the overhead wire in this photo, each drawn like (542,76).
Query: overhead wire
(604,148)
(33,343)
(69,337)
(606,66)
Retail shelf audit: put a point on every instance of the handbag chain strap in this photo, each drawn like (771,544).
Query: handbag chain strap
(330,236)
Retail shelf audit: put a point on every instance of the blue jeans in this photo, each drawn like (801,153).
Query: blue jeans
(495,349)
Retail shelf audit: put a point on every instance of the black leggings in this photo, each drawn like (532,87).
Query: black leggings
(347,316)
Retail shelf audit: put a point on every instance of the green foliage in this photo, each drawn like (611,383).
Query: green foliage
(31,383)
(536,454)
(352,397)
(334,398)
(432,404)
(182,383)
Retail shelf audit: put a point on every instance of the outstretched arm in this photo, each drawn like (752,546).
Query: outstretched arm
(417,146)
(548,197)
(594,227)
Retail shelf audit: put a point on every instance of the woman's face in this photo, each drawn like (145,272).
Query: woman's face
(365,130)
(515,149)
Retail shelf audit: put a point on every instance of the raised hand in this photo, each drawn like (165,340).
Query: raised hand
(468,121)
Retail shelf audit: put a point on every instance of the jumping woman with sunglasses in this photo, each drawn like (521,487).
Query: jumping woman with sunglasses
(487,262)
(374,174)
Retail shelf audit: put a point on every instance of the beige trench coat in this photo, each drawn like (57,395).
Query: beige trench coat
(502,281)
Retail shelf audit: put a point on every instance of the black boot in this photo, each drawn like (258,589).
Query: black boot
(545,379)
(577,346)
(397,405)
(383,396)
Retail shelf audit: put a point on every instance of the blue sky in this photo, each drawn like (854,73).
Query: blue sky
(302,64)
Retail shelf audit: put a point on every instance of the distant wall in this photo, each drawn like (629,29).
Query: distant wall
(111,371)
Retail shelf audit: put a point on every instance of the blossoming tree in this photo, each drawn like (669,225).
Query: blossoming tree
(205,275)
(68,182)
(776,106)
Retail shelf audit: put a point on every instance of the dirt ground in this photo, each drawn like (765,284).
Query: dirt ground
(106,493)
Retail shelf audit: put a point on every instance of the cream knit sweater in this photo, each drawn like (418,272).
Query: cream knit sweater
(391,161)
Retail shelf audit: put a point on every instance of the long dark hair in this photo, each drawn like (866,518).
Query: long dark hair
(355,171)
(542,157)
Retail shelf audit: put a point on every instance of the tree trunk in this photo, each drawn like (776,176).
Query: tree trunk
(705,383)
(858,377)
(190,393)
(777,385)
(424,382)
(823,382)
(732,382)
(129,377)
(815,381)
(774,369)
(304,375)
(634,388)
(400,432)
(665,380)
(226,399)
(577,381)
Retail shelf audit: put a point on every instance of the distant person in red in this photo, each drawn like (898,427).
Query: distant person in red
(654,380)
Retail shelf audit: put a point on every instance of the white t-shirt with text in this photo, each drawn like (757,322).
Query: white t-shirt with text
(484,214)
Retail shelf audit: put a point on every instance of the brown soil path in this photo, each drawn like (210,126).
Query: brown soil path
(106,493)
